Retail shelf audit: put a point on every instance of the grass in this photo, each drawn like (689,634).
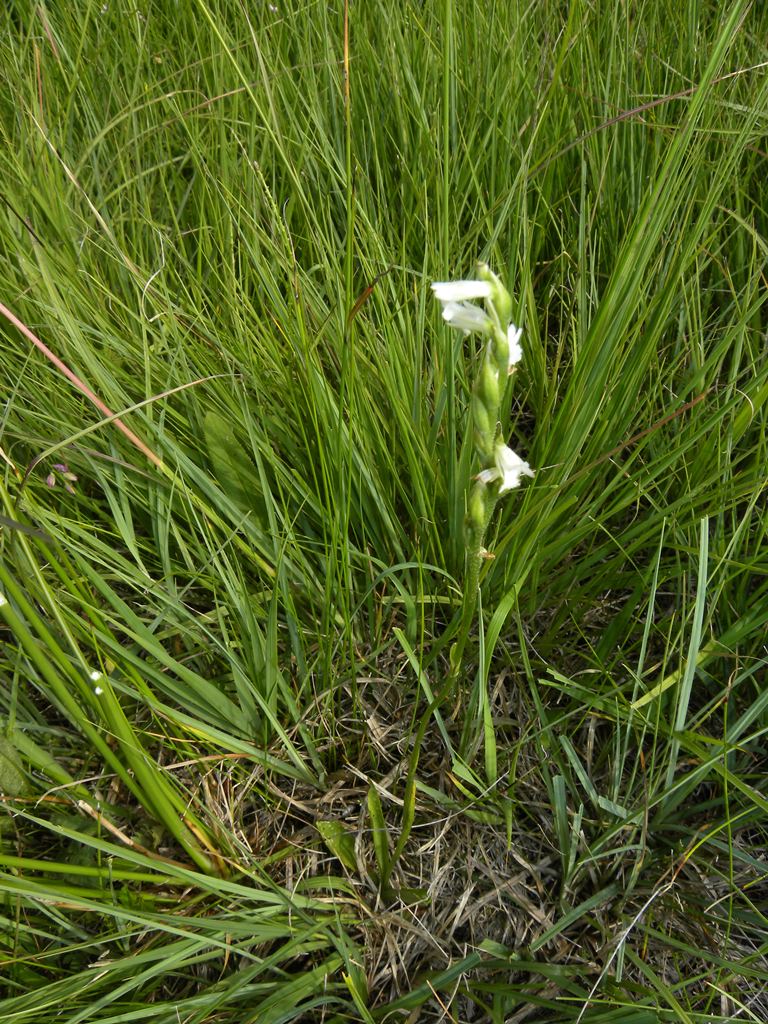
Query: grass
(235,787)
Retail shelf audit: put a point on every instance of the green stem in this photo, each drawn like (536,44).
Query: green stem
(454,497)
(474,562)
(349,174)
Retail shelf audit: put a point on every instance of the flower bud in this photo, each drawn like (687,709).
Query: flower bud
(488,385)
(500,351)
(499,298)
(483,423)
(476,511)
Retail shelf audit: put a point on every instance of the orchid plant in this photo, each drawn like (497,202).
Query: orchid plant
(499,468)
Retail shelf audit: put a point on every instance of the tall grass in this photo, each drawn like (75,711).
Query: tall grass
(229,791)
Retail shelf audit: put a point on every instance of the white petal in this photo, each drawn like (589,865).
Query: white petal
(459,291)
(514,334)
(466,317)
(487,476)
(510,468)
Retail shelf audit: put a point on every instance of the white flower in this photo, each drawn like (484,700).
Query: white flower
(459,291)
(457,310)
(514,334)
(508,469)
(466,317)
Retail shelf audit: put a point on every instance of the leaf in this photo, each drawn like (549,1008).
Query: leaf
(358,989)
(411,896)
(231,466)
(340,842)
(380,845)
(409,813)
(13,782)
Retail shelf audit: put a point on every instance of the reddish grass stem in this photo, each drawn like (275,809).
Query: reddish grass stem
(80,385)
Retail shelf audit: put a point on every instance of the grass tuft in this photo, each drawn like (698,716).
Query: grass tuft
(236,447)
